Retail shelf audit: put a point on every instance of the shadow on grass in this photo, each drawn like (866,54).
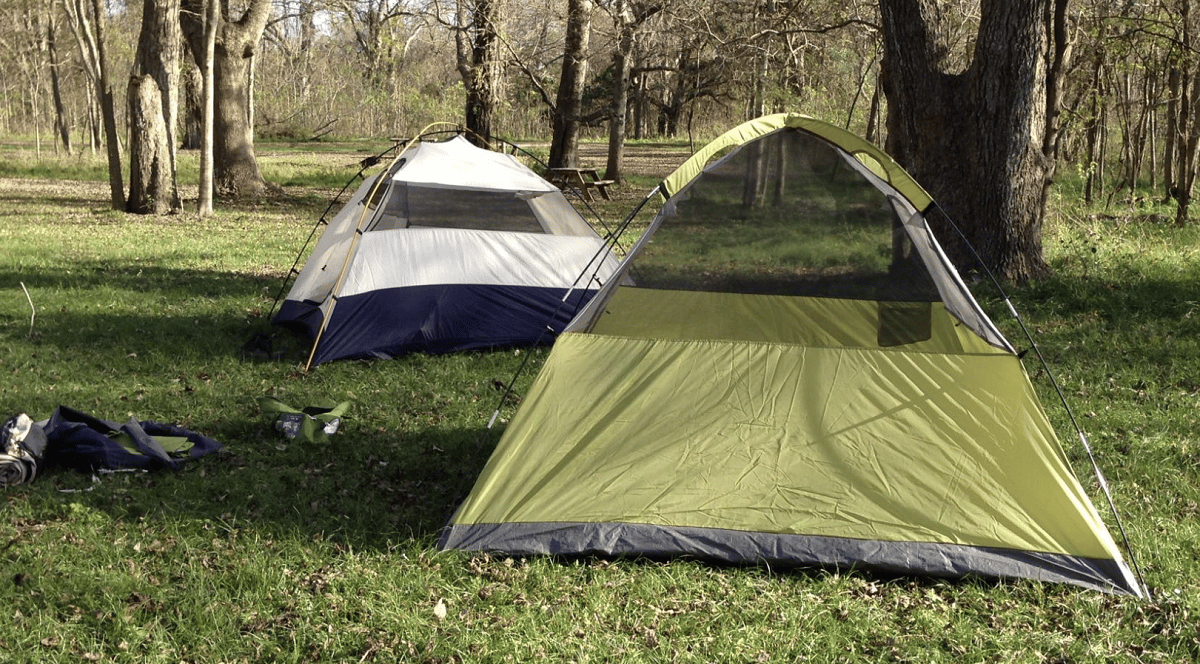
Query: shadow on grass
(394,472)
(363,491)
(104,307)
(107,330)
(83,201)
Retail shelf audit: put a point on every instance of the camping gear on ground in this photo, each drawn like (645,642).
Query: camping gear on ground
(799,377)
(313,424)
(22,448)
(86,443)
(451,247)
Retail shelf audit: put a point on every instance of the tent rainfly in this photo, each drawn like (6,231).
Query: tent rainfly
(451,247)
(798,377)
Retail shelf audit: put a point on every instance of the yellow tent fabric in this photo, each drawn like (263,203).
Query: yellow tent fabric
(786,369)
(899,451)
(872,157)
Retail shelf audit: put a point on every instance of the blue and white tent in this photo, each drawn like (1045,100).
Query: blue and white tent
(452,247)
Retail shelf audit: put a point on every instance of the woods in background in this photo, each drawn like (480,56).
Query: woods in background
(1107,89)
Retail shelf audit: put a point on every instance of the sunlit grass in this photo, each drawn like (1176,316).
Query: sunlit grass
(273,550)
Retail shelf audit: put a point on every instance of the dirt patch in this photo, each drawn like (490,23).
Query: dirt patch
(651,162)
(643,161)
(72,190)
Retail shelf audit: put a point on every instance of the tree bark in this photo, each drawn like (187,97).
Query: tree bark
(88,23)
(151,176)
(236,172)
(208,105)
(152,180)
(480,65)
(568,111)
(975,138)
(61,122)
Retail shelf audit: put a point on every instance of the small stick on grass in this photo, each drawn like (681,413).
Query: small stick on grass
(32,310)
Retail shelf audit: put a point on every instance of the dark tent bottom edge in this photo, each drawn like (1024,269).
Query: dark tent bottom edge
(742,547)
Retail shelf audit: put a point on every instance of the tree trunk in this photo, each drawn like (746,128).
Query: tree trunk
(1171,132)
(564,145)
(978,146)
(639,104)
(1094,183)
(618,109)
(153,184)
(88,22)
(1186,120)
(204,206)
(151,176)
(481,66)
(236,172)
(1189,145)
(61,122)
(629,16)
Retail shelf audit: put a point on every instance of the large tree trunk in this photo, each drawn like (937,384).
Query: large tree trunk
(151,175)
(480,65)
(235,164)
(975,138)
(568,111)
(153,111)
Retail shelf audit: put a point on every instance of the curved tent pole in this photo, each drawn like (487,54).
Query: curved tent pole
(323,220)
(610,234)
(358,231)
(400,147)
(597,261)
(1083,439)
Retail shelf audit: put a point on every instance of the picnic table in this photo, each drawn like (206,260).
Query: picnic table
(583,180)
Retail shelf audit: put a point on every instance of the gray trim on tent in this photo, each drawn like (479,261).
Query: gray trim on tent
(741,547)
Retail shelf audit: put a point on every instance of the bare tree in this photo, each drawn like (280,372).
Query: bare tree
(87,21)
(1183,122)
(61,122)
(627,16)
(208,115)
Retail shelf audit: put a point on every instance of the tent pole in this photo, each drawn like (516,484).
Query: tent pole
(613,238)
(1083,439)
(358,231)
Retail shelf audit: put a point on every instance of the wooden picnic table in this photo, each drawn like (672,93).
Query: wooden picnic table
(583,180)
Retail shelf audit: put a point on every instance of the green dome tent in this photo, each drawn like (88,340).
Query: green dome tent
(790,371)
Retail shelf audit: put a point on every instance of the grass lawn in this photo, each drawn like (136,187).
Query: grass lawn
(272,550)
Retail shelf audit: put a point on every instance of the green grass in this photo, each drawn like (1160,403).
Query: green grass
(278,551)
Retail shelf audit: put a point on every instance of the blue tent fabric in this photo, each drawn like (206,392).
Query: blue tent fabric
(446,318)
(83,442)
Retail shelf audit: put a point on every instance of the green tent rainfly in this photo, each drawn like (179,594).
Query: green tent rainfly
(788,370)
